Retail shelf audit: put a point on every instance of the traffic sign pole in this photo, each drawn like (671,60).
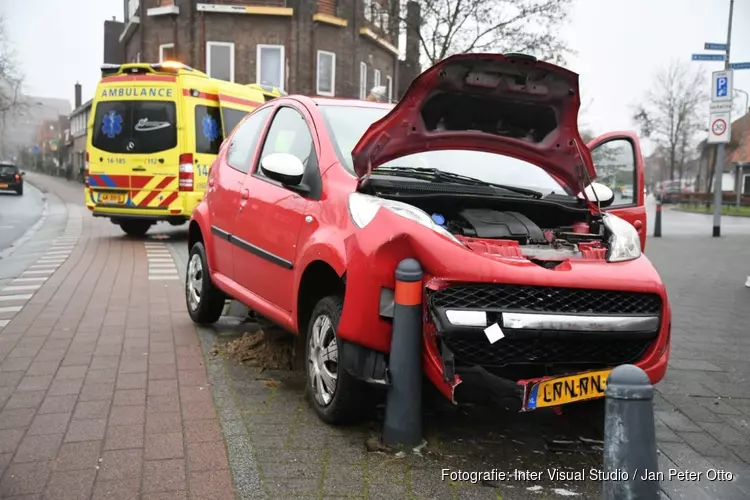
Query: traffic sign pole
(719,167)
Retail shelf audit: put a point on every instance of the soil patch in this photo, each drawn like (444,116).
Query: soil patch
(268,351)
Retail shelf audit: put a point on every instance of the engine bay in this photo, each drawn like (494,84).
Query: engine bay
(544,232)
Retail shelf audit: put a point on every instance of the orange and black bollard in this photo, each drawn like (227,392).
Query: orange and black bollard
(403,411)
(657,222)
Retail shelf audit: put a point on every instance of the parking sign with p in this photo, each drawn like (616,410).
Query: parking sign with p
(721,86)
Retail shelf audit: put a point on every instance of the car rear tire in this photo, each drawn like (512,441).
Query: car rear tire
(205,302)
(337,397)
(19,191)
(135,227)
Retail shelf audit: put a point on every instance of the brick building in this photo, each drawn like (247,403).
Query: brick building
(78,127)
(325,47)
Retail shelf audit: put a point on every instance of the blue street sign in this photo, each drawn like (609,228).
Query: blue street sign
(721,86)
(708,57)
(744,65)
(35,149)
(715,46)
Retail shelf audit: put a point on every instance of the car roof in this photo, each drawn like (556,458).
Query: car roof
(7,164)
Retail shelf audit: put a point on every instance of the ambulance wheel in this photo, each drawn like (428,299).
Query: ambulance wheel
(135,227)
(205,302)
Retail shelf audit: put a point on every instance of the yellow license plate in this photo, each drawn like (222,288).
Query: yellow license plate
(3,186)
(568,389)
(112,198)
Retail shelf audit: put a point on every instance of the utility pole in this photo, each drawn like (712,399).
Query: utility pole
(719,169)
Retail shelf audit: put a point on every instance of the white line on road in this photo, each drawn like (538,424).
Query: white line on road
(172,270)
(19,288)
(164,277)
(30,280)
(158,254)
(45,267)
(4,323)
(24,297)
(56,260)
(23,274)
(10,309)
(159,260)
(160,264)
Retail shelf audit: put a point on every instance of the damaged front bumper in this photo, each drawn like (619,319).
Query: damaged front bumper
(622,316)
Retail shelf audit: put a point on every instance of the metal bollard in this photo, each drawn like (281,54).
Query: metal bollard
(403,411)
(629,436)
(657,223)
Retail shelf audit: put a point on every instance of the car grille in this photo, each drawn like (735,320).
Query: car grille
(544,299)
(611,352)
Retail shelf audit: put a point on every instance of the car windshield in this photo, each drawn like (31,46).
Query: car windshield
(347,124)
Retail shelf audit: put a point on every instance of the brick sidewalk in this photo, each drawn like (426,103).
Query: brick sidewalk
(102,380)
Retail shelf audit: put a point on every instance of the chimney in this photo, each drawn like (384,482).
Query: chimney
(78,96)
(413,23)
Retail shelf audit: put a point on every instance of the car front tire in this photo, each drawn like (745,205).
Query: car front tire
(337,397)
(205,302)
(136,228)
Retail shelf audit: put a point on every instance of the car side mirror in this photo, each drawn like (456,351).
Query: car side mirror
(597,191)
(23,173)
(284,168)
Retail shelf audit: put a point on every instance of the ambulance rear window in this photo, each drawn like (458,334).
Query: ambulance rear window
(135,127)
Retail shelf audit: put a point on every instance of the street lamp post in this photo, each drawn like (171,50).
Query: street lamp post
(745,140)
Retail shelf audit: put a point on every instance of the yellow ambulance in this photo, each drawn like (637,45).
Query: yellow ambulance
(154,131)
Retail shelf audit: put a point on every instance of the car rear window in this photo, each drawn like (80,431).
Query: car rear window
(135,127)
(8,169)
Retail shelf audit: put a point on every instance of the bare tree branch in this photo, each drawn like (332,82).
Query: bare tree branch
(459,26)
(10,77)
(670,113)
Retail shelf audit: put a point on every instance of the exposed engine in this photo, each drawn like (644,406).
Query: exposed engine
(510,233)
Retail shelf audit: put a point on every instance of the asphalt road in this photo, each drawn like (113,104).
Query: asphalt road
(18,213)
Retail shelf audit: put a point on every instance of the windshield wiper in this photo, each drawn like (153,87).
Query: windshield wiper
(435,174)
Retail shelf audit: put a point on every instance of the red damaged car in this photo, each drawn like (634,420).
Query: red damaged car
(535,283)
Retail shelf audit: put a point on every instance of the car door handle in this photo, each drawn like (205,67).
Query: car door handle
(245,194)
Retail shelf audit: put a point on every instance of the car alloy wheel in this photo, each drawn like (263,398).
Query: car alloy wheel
(195,282)
(323,360)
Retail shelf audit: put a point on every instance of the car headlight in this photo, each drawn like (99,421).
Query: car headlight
(363,208)
(624,242)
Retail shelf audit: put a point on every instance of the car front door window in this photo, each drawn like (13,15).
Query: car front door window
(244,141)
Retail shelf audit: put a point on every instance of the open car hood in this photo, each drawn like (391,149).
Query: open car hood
(512,105)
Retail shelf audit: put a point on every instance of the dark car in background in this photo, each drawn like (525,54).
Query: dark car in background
(11,178)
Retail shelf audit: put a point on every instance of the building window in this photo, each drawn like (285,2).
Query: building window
(326,81)
(389,84)
(220,60)
(270,66)
(376,79)
(133,8)
(362,80)
(376,14)
(166,52)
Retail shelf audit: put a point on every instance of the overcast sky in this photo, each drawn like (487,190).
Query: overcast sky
(620,44)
